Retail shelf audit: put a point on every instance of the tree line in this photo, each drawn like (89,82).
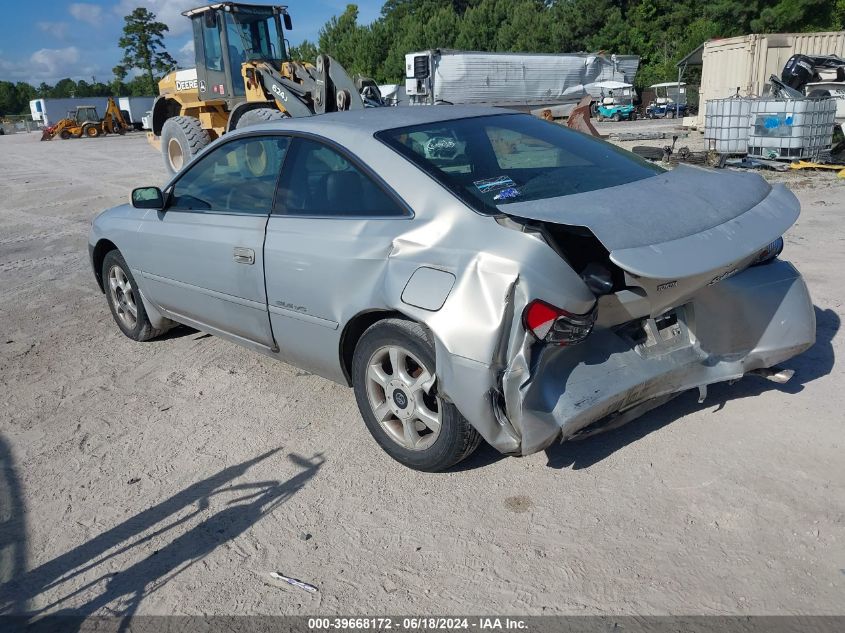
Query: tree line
(15,97)
(661,32)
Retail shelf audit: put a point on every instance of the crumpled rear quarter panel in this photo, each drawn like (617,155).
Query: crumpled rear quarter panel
(756,319)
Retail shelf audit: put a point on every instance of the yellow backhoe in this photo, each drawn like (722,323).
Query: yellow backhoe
(243,76)
(84,121)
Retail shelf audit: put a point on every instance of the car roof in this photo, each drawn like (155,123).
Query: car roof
(369,121)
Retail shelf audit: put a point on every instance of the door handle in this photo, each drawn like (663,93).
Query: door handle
(243,255)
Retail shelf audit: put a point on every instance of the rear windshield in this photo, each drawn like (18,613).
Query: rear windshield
(495,160)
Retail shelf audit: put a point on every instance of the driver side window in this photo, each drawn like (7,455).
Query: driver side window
(237,177)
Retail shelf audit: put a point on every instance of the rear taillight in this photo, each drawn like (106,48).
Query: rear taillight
(770,252)
(555,325)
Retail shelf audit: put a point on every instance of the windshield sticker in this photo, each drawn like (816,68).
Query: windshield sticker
(507,194)
(490,185)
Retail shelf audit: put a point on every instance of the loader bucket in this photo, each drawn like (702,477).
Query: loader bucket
(579,118)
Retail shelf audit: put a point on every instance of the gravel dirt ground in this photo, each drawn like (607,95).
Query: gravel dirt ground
(170,477)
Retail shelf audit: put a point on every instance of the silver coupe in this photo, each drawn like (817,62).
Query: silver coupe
(472,273)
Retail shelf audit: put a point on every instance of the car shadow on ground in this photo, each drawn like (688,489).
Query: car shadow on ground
(181,331)
(120,593)
(815,363)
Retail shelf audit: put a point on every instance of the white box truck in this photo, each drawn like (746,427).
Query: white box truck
(525,81)
(136,108)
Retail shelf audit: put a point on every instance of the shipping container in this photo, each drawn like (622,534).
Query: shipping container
(742,65)
(519,80)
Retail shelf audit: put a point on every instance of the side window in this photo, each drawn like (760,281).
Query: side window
(211,41)
(237,177)
(317,180)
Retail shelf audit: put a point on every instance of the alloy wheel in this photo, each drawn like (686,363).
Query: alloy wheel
(401,394)
(123,297)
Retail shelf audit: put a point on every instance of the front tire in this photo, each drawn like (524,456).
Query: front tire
(182,138)
(124,299)
(393,374)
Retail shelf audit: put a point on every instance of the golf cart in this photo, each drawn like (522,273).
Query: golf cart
(670,101)
(616,101)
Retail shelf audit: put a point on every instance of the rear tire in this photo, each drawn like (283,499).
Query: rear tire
(259,116)
(124,299)
(182,138)
(400,405)
(90,131)
(617,117)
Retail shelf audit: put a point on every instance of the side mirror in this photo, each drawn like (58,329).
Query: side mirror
(148,198)
(288,21)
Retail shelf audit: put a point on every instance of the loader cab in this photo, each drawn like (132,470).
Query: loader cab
(84,114)
(226,36)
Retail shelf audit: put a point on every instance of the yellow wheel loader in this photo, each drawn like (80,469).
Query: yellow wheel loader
(243,76)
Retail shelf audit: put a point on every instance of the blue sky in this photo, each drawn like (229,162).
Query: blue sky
(49,39)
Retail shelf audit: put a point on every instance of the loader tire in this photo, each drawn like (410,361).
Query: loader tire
(64,135)
(90,131)
(182,138)
(258,116)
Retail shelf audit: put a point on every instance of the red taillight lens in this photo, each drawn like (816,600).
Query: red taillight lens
(555,325)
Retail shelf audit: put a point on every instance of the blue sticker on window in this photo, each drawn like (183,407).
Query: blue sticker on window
(489,185)
(507,194)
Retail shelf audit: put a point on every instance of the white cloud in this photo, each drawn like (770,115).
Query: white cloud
(57,29)
(167,11)
(55,61)
(52,64)
(85,12)
(185,56)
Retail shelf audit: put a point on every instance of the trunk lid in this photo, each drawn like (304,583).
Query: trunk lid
(682,223)
(669,235)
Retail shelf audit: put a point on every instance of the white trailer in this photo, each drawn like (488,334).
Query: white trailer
(136,107)
(50,111)
(526,81)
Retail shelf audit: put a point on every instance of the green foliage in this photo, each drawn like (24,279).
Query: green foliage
(143,47)
(15,98)
(661,32)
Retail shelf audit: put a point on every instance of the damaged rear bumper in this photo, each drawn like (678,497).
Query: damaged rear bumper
(754,320)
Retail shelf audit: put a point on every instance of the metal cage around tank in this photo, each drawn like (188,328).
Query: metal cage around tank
(790,129)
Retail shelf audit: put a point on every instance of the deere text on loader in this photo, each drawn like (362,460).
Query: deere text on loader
(243,76)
